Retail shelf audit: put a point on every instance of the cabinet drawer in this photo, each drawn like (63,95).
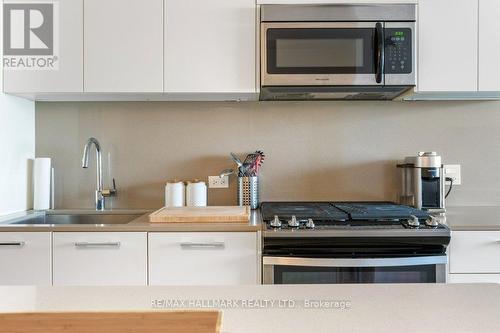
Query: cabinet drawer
(475,252)
(25,258)
(100,258)
(474,278)
(205,258)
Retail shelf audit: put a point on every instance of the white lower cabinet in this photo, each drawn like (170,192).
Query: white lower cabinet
(25,258)
(203,258)
(474,278)
(474,256)
(100,258)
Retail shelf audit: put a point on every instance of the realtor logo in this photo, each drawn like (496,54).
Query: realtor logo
(29,35)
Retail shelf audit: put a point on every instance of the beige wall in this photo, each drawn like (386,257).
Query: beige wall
(315,150)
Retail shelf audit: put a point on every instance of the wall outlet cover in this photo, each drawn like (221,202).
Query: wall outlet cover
(218,182)
(453,171)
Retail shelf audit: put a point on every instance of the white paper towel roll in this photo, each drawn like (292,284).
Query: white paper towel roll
(41,183)
(174,194)
(196,194)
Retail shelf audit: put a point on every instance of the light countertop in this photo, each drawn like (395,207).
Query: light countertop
(459,218)
(140,223)
(291,308)
(473,218)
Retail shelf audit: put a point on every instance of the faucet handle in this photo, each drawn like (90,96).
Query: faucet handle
(110,193)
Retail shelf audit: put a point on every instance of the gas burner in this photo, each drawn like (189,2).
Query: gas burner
(324,216)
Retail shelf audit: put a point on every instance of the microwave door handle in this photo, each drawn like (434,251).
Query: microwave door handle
(379,52)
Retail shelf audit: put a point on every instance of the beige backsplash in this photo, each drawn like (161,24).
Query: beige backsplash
(315,150)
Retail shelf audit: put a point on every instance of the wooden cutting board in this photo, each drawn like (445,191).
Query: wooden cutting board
(112,322)
(210,214)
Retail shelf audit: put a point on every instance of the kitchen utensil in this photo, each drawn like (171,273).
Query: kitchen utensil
(251,164)
(226,172)
(213,214)
(248,192)
(236,159)
(243,170)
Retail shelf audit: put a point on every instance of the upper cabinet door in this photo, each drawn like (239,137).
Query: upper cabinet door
(68,47)
(489,45)
(123,43)
(210,46)
(448,31)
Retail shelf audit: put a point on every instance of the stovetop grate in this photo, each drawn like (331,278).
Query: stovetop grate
(354,213)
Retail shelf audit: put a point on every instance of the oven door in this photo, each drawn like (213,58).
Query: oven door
(322,53)
(292,270)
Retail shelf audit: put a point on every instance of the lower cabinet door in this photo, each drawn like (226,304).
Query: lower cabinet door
(475,252)
(25,258)
(203,258)
(100,258)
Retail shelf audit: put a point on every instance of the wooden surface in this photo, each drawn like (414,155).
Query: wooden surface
(214,214)
(112,322)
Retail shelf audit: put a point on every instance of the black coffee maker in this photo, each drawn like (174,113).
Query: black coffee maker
(423,182)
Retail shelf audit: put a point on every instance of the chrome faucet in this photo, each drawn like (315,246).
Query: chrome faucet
(100,193)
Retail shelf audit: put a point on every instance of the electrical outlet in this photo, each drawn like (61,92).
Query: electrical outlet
(218,182)
(453,171)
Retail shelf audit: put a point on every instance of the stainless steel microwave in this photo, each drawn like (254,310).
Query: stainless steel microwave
(337,51)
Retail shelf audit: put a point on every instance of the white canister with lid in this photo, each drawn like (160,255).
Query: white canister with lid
(196,194)
(174,194)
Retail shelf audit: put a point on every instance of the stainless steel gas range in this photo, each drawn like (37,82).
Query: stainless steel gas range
(352,242)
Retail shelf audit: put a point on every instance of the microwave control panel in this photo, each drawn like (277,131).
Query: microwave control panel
(398,51)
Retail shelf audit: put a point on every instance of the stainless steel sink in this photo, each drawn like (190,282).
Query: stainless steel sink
(78,218)
(90,219)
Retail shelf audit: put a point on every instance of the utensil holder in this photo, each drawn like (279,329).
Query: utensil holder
(249,192)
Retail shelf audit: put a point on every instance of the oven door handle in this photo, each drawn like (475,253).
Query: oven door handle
(358,262)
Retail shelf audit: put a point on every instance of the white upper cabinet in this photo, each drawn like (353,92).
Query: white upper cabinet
(210,46)
(448,39)
(489,45)
(123,46)
(68,42)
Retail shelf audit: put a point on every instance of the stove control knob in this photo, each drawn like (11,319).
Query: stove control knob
(276,223)
(432,222)
(293,223)
(413,221)
(310,224)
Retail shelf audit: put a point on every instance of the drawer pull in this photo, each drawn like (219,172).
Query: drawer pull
(19,244)
(97,244)
(211,245)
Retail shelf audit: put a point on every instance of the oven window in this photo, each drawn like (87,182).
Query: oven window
(333,275)
(320,51)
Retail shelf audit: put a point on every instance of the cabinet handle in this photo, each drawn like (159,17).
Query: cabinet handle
(97,244)
(210,245)
(19,244)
